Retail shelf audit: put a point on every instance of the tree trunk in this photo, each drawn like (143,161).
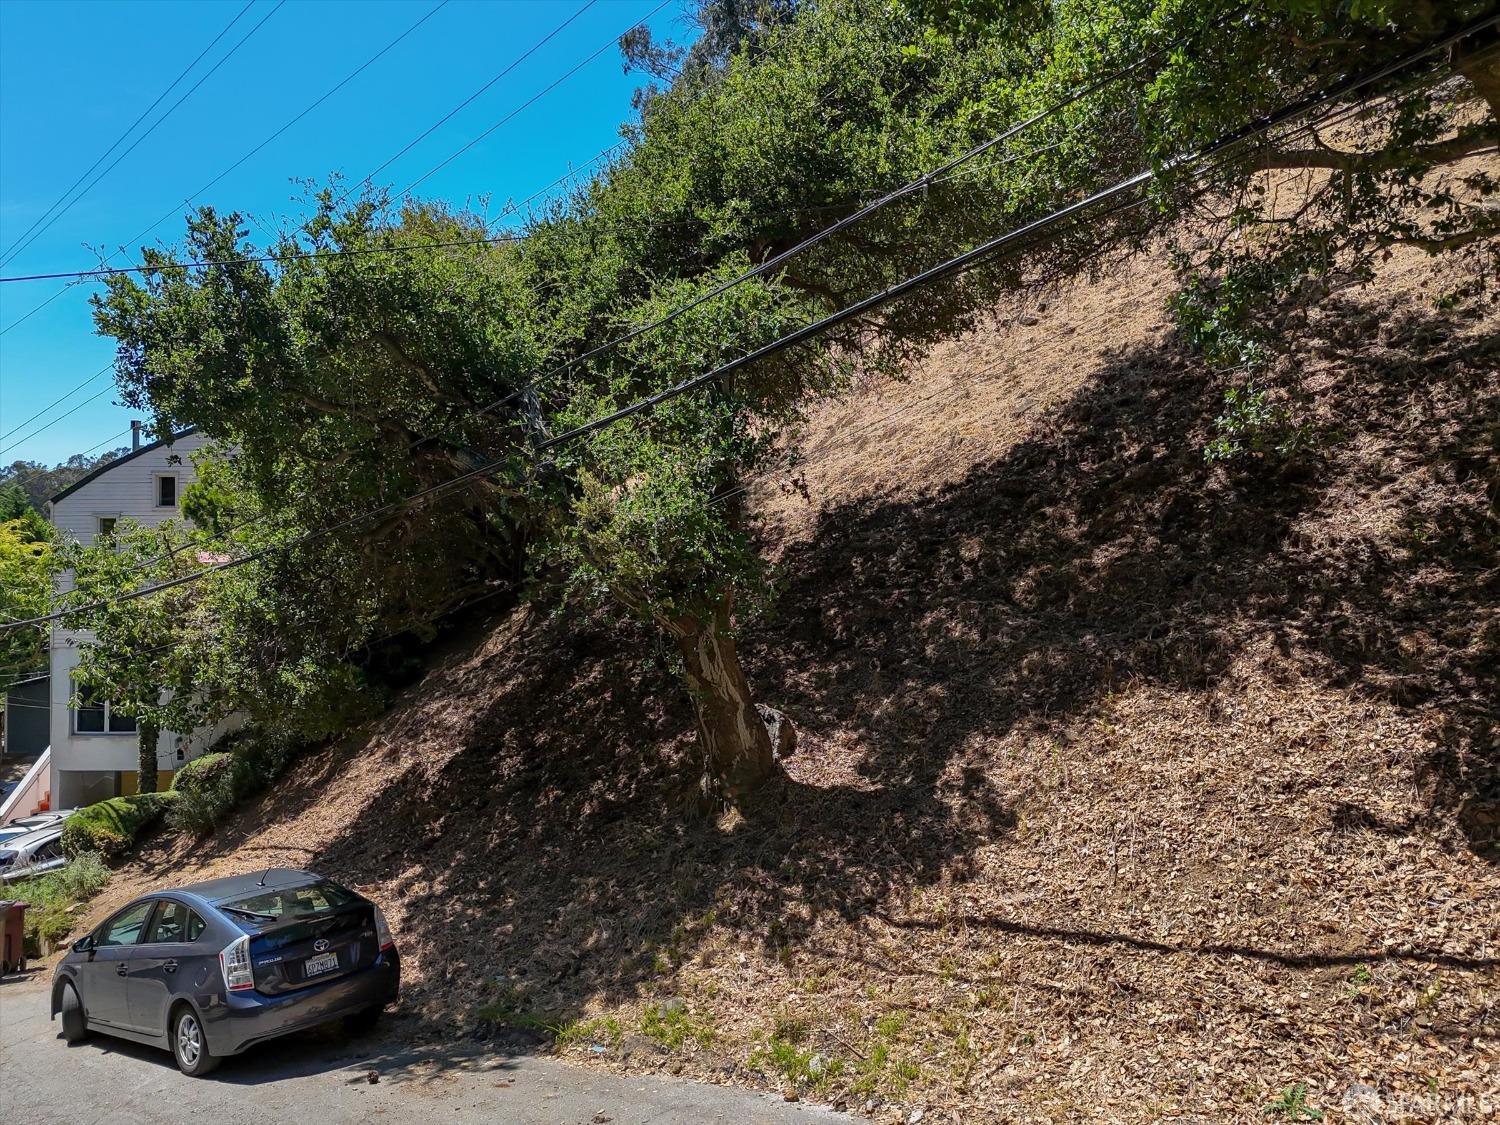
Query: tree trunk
(149,734)
(736,745)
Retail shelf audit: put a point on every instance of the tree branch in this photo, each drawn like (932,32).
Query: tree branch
(1465,142)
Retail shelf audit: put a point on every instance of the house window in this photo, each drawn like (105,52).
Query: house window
(107,526)
(166,490)
(96,716)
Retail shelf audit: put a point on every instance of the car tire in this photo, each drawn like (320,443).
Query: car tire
(190,1045)
(75,1026)
(357,1023)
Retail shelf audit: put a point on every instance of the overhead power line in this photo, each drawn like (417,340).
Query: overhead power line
(57,401)
(531,100)
(211,183)
(135,143)
(8,254)
(441,121)
(48,425)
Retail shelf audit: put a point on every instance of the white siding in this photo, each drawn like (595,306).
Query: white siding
(127,490)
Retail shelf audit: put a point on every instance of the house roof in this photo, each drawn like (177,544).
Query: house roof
(118,461)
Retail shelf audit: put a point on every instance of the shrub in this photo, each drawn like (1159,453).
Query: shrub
(208,789)
(1253,425)
(110,827)
(54,897)
(211,787)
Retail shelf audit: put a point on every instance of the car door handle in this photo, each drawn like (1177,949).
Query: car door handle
(122,969)
(170,964)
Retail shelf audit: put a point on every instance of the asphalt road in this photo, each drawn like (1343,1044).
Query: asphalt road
(321,1078)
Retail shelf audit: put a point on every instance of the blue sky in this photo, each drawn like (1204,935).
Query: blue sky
(73,76)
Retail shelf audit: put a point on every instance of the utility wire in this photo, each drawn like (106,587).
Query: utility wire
(530,101)
(58,401)
(955,265)
(48,425)
(538,45)
(15,246)
(133,145)
(194,195)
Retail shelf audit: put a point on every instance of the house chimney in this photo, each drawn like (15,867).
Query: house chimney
(135,434)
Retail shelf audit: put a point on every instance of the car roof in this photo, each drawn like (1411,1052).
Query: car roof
(35,836)
(236,886)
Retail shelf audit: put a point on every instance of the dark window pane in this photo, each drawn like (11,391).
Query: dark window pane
(172,923)
(296,902)
(120,724)
(166,492)
(126,929)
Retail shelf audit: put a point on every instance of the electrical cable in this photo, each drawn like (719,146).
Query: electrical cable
(7,254)
(134,144)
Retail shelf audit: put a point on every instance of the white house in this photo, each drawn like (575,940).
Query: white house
(94,752)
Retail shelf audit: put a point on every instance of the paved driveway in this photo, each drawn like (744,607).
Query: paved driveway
(320,1078)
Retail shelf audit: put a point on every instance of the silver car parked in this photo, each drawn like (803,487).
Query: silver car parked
(35,853)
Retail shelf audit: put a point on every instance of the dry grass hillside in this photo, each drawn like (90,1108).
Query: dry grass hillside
(1130,788)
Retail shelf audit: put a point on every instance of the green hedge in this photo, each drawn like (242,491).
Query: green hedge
(208,789)
(111,827)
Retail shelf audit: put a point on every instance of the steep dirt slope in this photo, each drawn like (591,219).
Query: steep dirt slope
(1129,788)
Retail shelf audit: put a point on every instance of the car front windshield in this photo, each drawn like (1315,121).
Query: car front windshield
(291,903)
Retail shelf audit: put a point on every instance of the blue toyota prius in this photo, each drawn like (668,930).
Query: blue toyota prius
(210,969)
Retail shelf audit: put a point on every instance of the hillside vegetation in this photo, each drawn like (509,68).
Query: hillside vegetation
(1129,786)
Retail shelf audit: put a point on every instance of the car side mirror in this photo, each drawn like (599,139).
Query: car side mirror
(84,944)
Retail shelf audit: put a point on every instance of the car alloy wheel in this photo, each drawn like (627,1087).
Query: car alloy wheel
(189,1040)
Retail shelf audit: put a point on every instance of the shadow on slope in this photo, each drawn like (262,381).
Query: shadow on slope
(549,857)
(1104,549)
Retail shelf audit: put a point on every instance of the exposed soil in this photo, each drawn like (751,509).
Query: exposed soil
(1129,787)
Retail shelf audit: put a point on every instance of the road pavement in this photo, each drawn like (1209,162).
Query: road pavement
(322,1078)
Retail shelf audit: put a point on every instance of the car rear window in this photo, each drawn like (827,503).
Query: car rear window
(290,903)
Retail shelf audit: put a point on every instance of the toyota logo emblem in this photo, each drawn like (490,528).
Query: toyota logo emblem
(321,944)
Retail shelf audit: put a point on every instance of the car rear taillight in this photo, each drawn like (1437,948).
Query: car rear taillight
(383,931)
(234,963)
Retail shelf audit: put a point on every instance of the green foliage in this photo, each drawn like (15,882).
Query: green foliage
(606,1032)
(212,786)
(1292,1104)
(111,828)
(341,382)
(1254,426)
(786,1051)
(28,563)
(208,790)
(671,1026)
(55,897)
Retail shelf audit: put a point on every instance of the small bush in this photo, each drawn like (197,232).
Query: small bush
(208,789)
(672,1027)
(54,896)
(213,786)
(111,827)
(1254,426)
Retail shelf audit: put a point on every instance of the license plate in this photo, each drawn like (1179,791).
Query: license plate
(322,964)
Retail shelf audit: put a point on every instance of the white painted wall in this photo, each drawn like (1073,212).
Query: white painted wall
(127,489)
